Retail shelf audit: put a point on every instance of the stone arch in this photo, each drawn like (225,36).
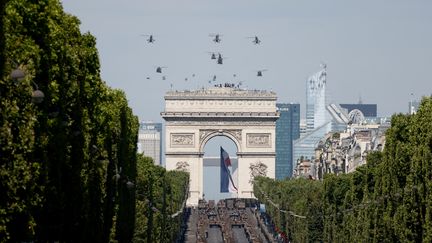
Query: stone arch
(211,134)
(235,114)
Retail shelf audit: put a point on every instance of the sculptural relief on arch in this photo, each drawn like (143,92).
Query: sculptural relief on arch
(247,117)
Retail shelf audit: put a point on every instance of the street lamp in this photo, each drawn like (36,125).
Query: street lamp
(17,74)
(130,184)
(118,176)
(37,95)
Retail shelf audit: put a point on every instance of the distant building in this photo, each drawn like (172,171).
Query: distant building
(150,141)
(343,152)
(368,110)
(303,168)
(413,106)
(302,127)
(287,130)
(304,147)
(316,102)
(321,118)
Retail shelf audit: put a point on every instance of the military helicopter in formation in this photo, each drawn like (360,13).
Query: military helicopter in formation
(212,55)
(220,59)
(159,69)
(217,38)
(150,38)
(259,72)
(256,40)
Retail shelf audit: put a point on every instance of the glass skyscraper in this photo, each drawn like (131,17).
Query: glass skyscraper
(305,146)
(316,114)
(413,106)
(150,141)
(321,117)
(287,130)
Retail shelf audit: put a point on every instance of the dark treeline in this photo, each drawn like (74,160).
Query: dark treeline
(387,200)
(68,164)
(161,197)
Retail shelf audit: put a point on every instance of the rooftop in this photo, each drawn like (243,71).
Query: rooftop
(220,92)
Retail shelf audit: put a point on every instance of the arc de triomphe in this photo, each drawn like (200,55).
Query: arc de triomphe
(247,117)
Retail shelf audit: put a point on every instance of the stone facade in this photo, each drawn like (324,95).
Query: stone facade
(343,152)
(247,117)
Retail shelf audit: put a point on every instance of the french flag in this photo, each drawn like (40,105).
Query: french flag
(227,184)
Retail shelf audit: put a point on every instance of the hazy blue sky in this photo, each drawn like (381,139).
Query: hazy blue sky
(381,50)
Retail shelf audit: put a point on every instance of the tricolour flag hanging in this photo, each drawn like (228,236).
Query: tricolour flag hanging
(227,184)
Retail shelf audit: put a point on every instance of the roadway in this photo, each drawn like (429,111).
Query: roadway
(228,221)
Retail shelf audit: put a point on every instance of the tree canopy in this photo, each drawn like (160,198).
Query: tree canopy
(59,157)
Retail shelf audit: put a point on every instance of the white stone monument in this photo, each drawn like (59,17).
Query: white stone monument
(247,117)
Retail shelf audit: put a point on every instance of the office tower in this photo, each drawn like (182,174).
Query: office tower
(302,127)
(150,141)
(316,114)
(413,106)
(304,147)
(287,130)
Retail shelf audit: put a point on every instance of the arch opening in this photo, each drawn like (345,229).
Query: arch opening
(212,166)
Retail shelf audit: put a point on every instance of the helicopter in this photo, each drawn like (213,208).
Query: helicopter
(256,41)
(217,38)
(150,38)
(259,72)
(213,55)
(159,69)
(220,59)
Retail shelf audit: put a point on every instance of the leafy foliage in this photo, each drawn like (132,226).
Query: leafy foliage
(59,159)
(160,195)
(288,199)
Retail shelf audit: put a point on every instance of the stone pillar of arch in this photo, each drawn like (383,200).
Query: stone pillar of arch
(247,117)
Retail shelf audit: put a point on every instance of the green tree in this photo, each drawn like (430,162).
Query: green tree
(161,196)
(59,158)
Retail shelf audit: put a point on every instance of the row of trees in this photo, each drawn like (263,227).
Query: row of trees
(161,198)
(68,164)
(387,200)
(295,207)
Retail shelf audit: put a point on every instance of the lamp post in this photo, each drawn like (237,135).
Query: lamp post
(17,74)
(37,95)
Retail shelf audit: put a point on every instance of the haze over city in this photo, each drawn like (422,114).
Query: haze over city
(379,51)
